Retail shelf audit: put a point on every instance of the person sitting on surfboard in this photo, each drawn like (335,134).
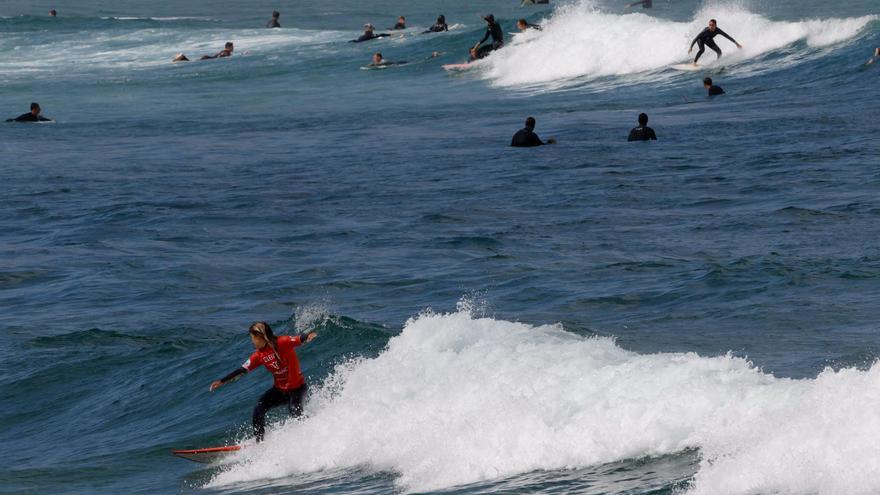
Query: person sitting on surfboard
(524,25)
(705,38)
(278,356)
(438,26)
(526,137)
(369,34)
(273,23)
(713,90)
(32,116)
(493,29)
(642,132)
(225,52)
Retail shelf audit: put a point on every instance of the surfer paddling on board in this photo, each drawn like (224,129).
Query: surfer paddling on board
(278,356)
(705,38)
(524,25)
(493,29)
(273,22)
(225,52)
(369,34)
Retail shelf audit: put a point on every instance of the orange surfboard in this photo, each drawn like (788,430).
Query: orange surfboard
(207,455)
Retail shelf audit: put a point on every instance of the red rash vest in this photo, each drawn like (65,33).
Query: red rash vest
(286,372)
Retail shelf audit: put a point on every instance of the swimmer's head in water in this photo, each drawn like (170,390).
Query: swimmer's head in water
(228,46)
(276,14)
(530,123)
(377,57)
(643,119)
(35,108)
(441,19)
(707,81)
(401,19)
(489,18)
(522,24)
(53,13)
(368,27)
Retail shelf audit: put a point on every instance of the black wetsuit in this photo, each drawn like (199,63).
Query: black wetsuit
(493,30)
(273,24)
(369,36)
(642,133)
(399,26)
(715,90)
(525,138)
(534,26)
(437,28)
(646,4)
(274,397)
(29,117)
(705,38)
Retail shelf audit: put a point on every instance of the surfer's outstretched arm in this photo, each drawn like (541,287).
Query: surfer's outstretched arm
(235,375)
(722,33)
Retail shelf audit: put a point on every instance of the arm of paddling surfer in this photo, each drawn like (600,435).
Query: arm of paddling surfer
(235,375)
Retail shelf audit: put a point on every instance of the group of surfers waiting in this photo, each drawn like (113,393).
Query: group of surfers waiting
(527,138)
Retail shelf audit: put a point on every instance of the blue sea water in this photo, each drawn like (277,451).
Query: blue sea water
(693,315)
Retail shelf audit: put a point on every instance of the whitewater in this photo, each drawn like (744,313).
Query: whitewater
(455,400)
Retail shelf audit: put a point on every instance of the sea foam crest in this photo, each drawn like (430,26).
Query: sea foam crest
(455,399)
(579,41)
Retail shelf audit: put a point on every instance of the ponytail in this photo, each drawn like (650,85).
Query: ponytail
(262,329)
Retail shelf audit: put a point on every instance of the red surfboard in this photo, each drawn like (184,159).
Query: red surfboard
(208,455)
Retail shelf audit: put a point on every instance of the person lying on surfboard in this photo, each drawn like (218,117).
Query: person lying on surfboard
(278,356)
(705,38)
(524,25)
(225,52)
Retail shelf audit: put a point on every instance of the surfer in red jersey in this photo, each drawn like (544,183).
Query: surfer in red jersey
(278,356)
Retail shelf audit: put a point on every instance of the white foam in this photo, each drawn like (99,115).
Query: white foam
(580,42)
(456,399)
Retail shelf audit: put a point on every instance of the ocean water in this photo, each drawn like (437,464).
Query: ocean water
(695,315)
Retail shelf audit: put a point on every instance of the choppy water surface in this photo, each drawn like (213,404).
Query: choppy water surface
(696,314)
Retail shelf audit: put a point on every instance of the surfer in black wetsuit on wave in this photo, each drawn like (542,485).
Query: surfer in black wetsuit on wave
(705,38)
(493,29)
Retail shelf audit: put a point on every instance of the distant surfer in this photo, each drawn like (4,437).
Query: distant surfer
(273,23)
(225,52)
(53,13)
(401,24)
(526,137)
(713,89)
(642,132)
(493,29)
(438,27)
(524,25)
(369,34)
(32,116)
(533,2)
(277,354)
(379,61)
(646,4)
(875,57)
(705,38)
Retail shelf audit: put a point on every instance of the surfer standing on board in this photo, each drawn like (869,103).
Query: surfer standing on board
(278,356)
(705,38)
(493,29)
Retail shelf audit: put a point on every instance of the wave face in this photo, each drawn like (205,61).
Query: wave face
(582,42)
(456,399)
